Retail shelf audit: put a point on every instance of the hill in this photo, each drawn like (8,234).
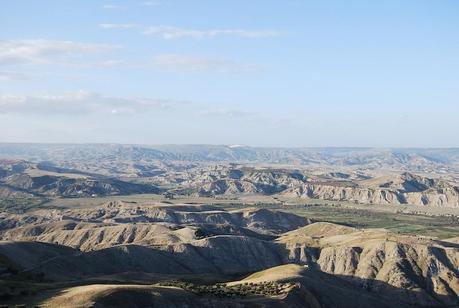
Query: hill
(321,262)
(25,179)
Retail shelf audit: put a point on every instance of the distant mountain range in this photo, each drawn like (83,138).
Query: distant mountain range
(414,159)
(358,175)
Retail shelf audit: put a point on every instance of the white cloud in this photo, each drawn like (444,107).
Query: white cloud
(41,51)
(169,32)
(80,103)
(117,26)
(188,63)
(111,6)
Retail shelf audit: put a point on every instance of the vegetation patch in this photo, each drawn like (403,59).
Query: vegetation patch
(266,288)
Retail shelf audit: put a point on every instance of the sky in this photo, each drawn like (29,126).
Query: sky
(281,73)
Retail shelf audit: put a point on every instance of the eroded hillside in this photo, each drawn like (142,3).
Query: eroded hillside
(327,261)
(21,179)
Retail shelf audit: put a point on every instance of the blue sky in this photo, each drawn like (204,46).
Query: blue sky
(259,72)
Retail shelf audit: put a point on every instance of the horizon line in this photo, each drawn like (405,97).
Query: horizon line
(231,146)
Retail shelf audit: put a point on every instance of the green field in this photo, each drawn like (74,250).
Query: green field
(438,226)
(360,216)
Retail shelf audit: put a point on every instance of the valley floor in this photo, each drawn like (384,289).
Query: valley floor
(442,222)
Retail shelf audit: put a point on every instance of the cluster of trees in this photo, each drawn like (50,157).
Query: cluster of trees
(267,288)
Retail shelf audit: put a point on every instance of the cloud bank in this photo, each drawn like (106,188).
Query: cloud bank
(40,51)
(170,32)
(117,26)
(81,103)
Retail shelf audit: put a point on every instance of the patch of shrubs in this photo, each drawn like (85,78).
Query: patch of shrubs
(266,288)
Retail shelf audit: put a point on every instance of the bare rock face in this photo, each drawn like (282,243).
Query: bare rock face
(47,185)
(351,194)
(93,236)
(376,259)
(118,223)
(162,239)
(390,187)
(394,189)
(403,189)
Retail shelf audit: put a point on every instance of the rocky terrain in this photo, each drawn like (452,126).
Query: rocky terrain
(402,188)
(25,179)
(377,259)
(168,226)
(327,264)
(397,188)
(22,179)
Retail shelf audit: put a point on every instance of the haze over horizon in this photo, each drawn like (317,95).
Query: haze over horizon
(231,146)
(260,73)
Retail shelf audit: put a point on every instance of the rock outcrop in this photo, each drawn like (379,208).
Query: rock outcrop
(377,259)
